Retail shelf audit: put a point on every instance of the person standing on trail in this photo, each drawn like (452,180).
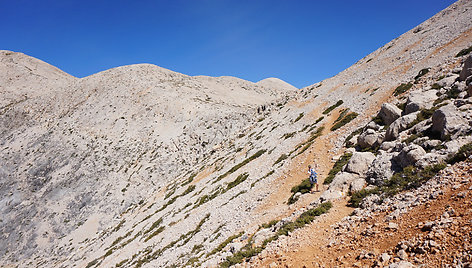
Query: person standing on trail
(313,178)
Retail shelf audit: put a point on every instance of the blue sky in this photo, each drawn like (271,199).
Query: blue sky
(301,42)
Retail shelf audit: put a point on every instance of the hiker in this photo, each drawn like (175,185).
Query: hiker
(313,178)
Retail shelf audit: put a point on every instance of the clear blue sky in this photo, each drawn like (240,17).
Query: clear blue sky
(301,42)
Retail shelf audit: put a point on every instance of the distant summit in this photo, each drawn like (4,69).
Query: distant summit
(276,83)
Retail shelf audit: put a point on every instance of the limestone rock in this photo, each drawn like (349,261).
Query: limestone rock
(466,70)
(342,181)
(420,100)
(399,125)
(410,155)
(357,185)
(369,138)
(447,120)
(381,169)
(389,113)
(360,162)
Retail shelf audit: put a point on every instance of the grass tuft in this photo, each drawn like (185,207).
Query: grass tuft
(402,89)
(332,107)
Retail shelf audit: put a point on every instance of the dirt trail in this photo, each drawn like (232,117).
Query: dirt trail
(309,247)
(275,204)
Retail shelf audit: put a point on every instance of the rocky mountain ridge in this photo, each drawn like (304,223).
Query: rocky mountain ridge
(165,168)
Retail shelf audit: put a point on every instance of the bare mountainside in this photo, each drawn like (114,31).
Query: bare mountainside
(141,166)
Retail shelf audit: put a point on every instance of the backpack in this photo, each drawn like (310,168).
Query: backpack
(313,175)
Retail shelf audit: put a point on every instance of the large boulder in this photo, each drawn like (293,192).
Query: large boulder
(466,70)
(370,138)
(357,185)
(418,100)
(410,155)
(382,168)
(331,194)
(389,113)
(399,125)
(359,163)
(342,181)
(448,120)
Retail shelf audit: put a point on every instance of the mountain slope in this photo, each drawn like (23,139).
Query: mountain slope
(139,165)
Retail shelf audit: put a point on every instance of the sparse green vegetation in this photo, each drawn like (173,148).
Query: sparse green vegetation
(348,118)
(224,244)
(156,232)
(304,187)
(342,113)
(332,107)
(249,251)
(348,138)
(304,146)
(410,178)
(402,89)
(237,181)
(436,86)
(464,52)
(240,165)
(319,119)
(269,224)
(422,73)
(299,117)
(337,167)
(464,152)
(280,159)
(289,135)
(190,179)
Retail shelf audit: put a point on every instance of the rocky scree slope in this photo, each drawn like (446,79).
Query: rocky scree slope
(150,153)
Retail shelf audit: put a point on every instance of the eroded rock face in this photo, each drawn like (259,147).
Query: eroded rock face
(448,120)
(382,168)
(420,100)
(399,125)
(360,162)
(342,181)
(369,138)
(410,155)
(466,70)
(389,113)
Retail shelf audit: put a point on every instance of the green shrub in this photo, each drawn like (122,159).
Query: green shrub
(342,113)
(357,197)
(269,224)
(409,178)
(464,152)
(280,159)
(422,73)
(402,89)
(237,181)
(464,52)
(240,165)
(289,135)
(348,118)
(337,167)
(224,244)
(436,86)
(332,107)
(299,117)
(249,251)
